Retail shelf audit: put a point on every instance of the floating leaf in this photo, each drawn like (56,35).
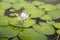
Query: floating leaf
(30,34)
(8,32)
(15,38)
(5,5)
(12,1)
(49,7)
(57,25)
(54,14)
(44,28)
(3,21)
(38,3)
(46,17)
(51,22)
(2,12)
(28,23)
(3,38)
(16,6)
(58,6)
(16,22)
(58,32)
(36,13)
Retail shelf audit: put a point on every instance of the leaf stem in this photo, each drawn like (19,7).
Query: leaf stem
(58,37)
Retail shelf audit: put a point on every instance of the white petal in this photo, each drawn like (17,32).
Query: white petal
(24,15)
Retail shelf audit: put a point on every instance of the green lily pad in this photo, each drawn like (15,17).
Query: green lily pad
(49,7)
(15,38)
(28,23)
(51,22)
(16,22)
(8,32)
(4,21)
(58,31)
(30,34)
(2,12)
(36,13)
(58,6)
(38,3)
(13,1)
(44,28)
(3,38)
(16,5)
(57,25)
(46,17)
(5,5)
(54,14)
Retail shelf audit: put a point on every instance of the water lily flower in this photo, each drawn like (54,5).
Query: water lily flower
(23,16)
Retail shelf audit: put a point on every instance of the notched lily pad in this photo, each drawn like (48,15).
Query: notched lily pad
(44,28)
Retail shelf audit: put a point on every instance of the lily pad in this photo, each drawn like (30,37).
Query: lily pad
(30,34)
(58,6)
(28,23)
(4,21)
(13,1)
(16,22)
(8,32)
(58,31)
(44,28)
(1,38)
(2,12)
(16,5)
(39,3)
(5,5)
(46,17)
(49,7)
(36,13)
(15,38)
(54,14)
(57,25)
